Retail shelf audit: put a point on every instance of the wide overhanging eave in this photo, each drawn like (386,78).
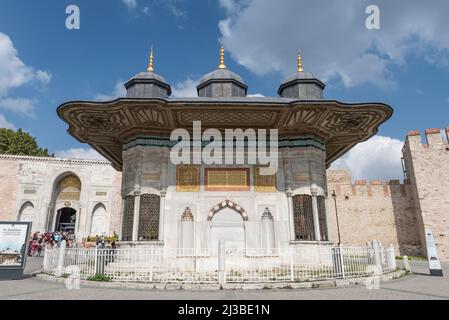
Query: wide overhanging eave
(118,120)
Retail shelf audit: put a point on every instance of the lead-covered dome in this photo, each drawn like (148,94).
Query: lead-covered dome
(147,84)
(222,82)
(302,85)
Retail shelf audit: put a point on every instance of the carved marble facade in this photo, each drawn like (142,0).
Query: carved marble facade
(61,194)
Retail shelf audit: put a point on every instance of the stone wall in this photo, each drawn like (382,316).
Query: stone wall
(427,169)
(368,210)
(8,190)
(31,181)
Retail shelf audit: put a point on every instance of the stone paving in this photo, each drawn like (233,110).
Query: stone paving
(418,286)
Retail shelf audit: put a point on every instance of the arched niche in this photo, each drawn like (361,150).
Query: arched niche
(99,223)
(27,212)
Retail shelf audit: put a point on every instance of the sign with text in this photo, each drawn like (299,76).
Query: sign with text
(432,255)
(13,244)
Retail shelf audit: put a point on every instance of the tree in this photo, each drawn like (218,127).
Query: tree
(20,143)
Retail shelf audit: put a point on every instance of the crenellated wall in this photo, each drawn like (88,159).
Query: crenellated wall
(427,168)
(374,209)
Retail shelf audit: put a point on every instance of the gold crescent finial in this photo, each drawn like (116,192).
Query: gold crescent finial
(300,69)
(222,62)
(150,67)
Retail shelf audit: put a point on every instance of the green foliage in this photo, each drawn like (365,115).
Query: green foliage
(410,258)
(94,238)
(20,143)
(99,277)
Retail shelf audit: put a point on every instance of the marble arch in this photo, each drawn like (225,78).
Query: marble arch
(227,204)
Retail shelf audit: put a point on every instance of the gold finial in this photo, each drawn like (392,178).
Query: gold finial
(222,63)
(300,69)
(150,64)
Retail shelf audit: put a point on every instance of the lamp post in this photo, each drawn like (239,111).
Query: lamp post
(334,196)
(338,256)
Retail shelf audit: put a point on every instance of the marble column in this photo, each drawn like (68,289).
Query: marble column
(291,219)
(122,211)
(161,214)
(135,236)
(316,219)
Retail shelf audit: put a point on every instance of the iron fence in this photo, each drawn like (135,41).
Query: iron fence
(161,265)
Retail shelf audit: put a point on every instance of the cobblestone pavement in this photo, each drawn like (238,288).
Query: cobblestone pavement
(418,286)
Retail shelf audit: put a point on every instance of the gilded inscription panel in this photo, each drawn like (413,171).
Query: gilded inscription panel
(303,177)
(69,195)
(232,179)
(187,178)
(151,176)
(264,183)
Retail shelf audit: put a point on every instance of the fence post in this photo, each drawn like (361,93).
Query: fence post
(100,260)
(292,272)
(340,250)
(46,258)
(406,263)
(96,260)
(221,262)
(391,258)
(377,257)
(337,259)
(61,253)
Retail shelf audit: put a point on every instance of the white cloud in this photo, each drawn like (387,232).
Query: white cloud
(44,77)
(79,153)
(21,106)
(172,6)
(131,4)
(185,89)
(229,5)
(5,124)
(333,38)
(13,72)
(376,158)
(255,95)
(119,92)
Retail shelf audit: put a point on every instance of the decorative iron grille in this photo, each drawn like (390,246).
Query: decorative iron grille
(149,217)
(128,214)
(303,218)
(322,218)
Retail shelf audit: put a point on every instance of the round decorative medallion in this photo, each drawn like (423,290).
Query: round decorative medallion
(67,204)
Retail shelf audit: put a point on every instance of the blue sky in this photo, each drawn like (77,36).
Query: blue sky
(405,64)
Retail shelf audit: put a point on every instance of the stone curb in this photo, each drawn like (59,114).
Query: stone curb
(339,283)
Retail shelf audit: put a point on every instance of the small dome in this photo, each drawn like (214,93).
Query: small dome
(221,74)
(147,84)
(298,76)
(222,83)
(148,75)
(302,85)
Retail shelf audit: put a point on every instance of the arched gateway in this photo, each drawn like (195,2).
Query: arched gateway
(66,202)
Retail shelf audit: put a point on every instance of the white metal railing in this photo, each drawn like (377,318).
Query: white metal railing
(203,266)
